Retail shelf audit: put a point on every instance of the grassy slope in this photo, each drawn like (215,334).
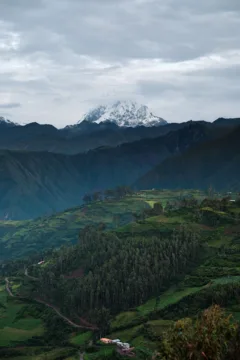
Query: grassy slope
(16,329)
(12,328)
(56,230)
(63,227)
(129,322)
(128,326)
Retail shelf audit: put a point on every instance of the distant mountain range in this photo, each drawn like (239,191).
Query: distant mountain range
(215,162)
(103,126)
(84,136)
(37,183)
(44,169)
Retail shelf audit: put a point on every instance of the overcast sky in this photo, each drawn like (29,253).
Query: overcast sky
(59,58)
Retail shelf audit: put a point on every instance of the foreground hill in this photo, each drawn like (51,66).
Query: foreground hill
(35,183)
(22,238)
(133,283)
(216,163)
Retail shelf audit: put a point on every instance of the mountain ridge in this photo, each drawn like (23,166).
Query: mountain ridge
(87,135)
(7,123)
(216,162)
(36,183)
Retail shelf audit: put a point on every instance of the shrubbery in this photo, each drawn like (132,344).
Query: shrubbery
(213,337)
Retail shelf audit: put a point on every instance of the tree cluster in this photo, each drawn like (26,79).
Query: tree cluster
(109,194)
(213,337)
(118,274)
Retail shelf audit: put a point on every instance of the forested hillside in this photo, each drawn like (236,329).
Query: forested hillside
(120,272)
(43,233)
(133,282)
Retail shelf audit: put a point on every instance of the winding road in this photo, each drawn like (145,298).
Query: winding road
(8,288)
(70,322)
(64,317)
(81,356)
(29,276)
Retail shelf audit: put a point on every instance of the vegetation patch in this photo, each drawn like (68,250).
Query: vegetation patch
(82,338)
(171,296)
(124,319)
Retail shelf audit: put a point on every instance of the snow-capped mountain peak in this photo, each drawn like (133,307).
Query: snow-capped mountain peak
(124,113)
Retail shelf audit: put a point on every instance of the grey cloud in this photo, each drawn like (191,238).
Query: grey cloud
(5,115)
(73,54)
(230,74)
(111,30)
(10,105)
(155,88)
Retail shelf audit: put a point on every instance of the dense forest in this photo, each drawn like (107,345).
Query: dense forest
(115,273)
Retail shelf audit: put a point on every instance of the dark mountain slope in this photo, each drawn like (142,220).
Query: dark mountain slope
(36,137)
(35,183)
(86,136)
(216,163)
(227,122)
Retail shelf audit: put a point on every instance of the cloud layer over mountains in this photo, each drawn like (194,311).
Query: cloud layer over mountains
(59,58)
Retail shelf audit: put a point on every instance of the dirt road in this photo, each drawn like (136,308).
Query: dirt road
(8,288)
(70,322)
(81,356)
(64,317)
(86,325)
(29,276)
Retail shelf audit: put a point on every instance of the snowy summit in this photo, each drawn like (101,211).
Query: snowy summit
(124,113)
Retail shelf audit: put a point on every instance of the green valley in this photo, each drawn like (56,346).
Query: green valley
(63,228)
(133,280)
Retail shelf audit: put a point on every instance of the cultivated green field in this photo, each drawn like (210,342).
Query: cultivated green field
(63,228)
(12,328)
(218,268)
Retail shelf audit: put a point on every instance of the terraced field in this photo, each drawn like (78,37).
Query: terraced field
(63,228)
(12,328)
(142,326)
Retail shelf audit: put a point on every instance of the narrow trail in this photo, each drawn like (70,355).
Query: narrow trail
(93,326)
(8,288)
(86,325)
(81,356)
(29,276)
(70,322)
(64,317)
